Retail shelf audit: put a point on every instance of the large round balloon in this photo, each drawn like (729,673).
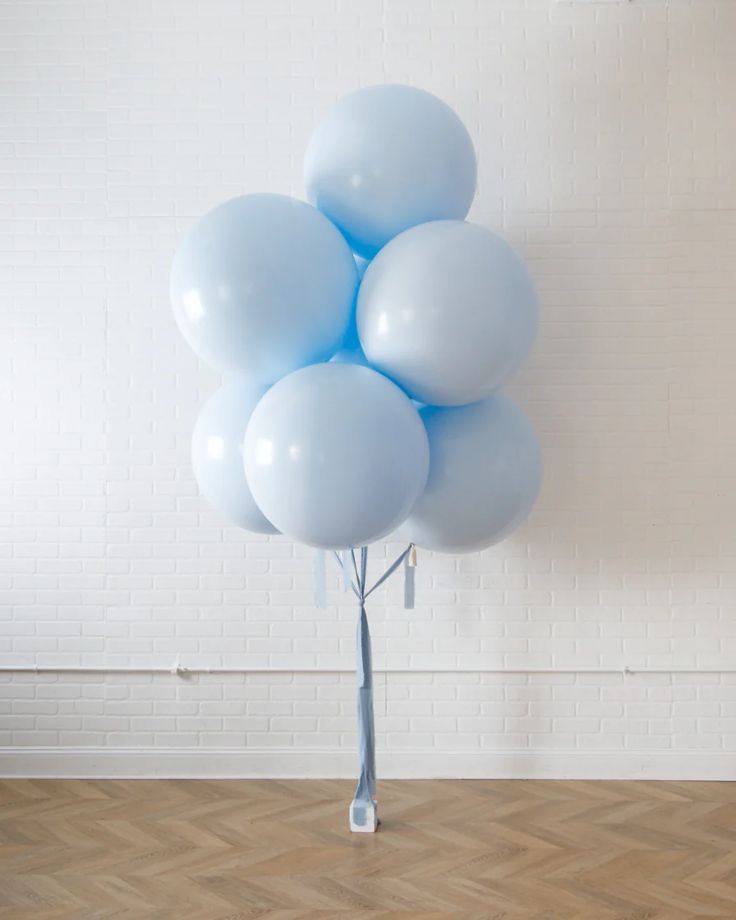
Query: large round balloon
(448,311)
(217,453)
(263,284)
(485,472)
(336,455)
(386,158)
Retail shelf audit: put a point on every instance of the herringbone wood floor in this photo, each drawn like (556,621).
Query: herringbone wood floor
(202,850)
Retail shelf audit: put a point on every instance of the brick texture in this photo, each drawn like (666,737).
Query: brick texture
(605,134)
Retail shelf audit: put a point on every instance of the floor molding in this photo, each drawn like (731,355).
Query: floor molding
(287,763)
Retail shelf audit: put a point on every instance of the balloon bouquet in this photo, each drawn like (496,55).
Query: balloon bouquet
(362,396)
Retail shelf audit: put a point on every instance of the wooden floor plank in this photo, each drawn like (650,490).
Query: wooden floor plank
(511,850)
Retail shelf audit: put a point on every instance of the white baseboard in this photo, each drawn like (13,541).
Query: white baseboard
(274,763)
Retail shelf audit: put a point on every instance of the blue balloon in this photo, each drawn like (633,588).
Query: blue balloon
(485,472)
(448,311)
(217,454)
(263,284)
(386,158)
(336,455)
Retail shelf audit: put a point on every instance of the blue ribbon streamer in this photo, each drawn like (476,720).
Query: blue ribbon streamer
(408,583)
(365,791)
(390,570)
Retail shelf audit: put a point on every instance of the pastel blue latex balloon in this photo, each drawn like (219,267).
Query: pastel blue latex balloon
(448,311)
(386,158)
(217,453)
(263,284)
(335,455)
(485,472)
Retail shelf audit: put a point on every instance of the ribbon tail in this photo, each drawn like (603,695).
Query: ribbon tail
(366,789)
(409,570)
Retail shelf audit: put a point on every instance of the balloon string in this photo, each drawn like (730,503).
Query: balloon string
(349,583)
(365,792)
(366,788)
(355,567)
(391,569)
(408,557)
(410,565)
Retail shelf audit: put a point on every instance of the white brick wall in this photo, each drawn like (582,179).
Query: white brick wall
(605,134)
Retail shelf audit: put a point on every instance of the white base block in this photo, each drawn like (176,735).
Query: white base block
(363,817)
